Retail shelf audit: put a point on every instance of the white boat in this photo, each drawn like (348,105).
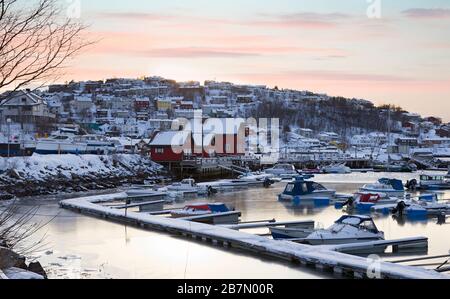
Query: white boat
(434,182)
(390,187)
(97,144)
(337,169)
(186,185)
(284,171)
(60,144)
(200,210)
(226,185)
(259,179)
(348,229)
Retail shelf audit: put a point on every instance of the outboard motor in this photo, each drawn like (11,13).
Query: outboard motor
(400,209)
(349,203)
(442,218)
(267,183)
(211,191)
(412,185)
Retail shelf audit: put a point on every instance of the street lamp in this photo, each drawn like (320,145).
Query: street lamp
(8,121)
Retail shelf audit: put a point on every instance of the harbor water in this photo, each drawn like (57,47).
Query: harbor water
(78,246)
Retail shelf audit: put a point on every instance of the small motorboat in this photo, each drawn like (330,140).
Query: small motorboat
(293,231)
(336,169)
(227,185)
(284,171)
(200,210)
(390,187)
(259,179)
(348,229)
(364,201)
(189,186)
(186,185)
(302,190)
(434,182)
(426,205)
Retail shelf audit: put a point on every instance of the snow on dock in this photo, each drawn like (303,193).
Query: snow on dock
(2,275)
(320,257)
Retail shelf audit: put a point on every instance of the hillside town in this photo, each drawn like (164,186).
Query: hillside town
(137,115)
(149,177)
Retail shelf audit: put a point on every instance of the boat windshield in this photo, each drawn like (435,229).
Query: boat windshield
(290,187)
(369,225)
(317,186)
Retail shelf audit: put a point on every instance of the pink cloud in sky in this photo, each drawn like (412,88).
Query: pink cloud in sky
(339,54)
(422,13)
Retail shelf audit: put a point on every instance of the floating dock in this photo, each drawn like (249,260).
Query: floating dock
(321,258)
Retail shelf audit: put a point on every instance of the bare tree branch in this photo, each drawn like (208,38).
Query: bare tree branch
(36,41)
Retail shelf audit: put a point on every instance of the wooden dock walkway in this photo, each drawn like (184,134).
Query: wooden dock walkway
(321,258)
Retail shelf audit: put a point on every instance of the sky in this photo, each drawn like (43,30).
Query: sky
(395,52)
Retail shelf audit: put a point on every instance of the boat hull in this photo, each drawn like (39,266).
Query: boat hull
(341,241)
(289,233)
(318,198)
(388,192)
(50,148)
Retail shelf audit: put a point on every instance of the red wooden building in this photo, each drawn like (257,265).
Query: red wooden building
(174,146)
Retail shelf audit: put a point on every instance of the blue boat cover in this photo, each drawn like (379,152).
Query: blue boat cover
(396,184)
(218,208)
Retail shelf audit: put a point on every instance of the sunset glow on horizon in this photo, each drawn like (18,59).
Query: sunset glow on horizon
(328,47)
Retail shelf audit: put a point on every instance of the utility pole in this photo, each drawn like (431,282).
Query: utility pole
(9,136)
(389,139)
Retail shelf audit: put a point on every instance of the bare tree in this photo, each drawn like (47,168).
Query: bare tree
(16,229)
(36,40)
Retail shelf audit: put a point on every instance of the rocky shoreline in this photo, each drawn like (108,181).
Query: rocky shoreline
(46,175)
(14,265)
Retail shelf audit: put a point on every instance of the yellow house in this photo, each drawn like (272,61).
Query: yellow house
(164,104)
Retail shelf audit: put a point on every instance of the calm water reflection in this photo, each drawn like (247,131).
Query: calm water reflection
(85,247)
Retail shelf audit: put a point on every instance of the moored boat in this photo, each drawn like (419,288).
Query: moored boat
(434,182)
(60,144)
(336,169)
(364,201)
(390,187)
(200,210)
(348,229)
(303,190)
(284,171)
(295,231)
